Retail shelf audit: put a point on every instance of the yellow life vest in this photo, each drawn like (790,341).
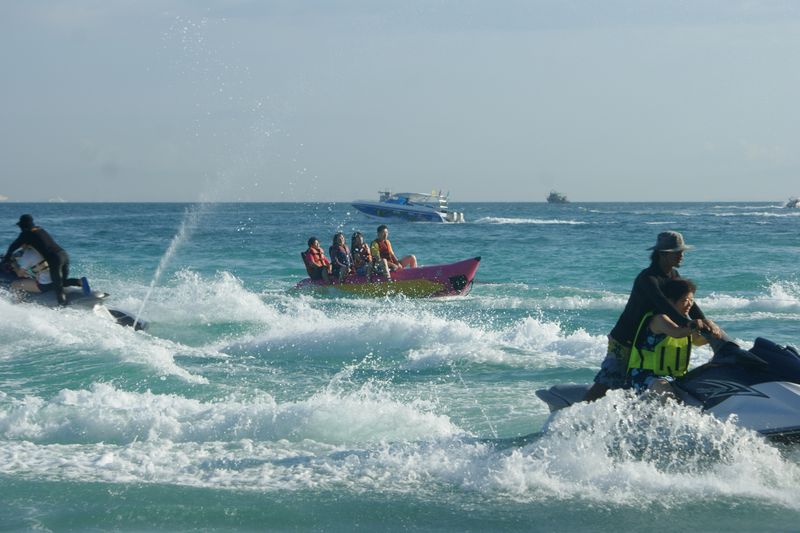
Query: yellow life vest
(670,357)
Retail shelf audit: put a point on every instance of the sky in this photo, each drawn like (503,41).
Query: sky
(291,100)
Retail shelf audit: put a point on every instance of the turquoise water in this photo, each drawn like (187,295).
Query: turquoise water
(249,406)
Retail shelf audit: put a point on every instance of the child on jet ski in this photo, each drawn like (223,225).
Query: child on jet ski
(646,295)
(662,349)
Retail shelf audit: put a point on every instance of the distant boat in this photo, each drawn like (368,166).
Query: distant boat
(793,203)
(557,198)
(411,206)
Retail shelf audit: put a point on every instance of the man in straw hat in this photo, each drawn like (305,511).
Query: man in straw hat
(646,295)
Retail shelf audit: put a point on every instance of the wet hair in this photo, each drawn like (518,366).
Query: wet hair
(311,241)
(353,238)
(337,235)
(675,289)
(382,227)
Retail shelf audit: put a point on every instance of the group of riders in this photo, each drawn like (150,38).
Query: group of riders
(39,263)
(377,259)
(648,348)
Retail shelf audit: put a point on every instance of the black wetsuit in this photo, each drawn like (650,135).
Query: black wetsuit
(56,257)
(647,296)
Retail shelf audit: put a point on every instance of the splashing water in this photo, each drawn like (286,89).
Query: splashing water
(191,219)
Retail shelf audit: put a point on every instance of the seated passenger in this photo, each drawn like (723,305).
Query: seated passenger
(362,258)
(32,270)
(381,248)
(341,262)
(317,264)
(661,349)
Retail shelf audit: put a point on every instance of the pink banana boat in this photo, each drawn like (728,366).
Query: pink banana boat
(453,279)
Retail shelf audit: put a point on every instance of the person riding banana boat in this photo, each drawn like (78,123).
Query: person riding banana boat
(382,252)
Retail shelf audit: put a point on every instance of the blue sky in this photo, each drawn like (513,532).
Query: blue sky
(331,101)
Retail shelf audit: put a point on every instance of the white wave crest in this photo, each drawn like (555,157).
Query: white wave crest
(31,328)
(107,414)
(616,452)
(631,452)
(782,296)
(503,220)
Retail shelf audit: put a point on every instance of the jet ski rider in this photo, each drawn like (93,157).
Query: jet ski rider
(56,257)
(661,349)
(646,296)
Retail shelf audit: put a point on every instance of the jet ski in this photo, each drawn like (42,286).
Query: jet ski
(94,300)
(760,386)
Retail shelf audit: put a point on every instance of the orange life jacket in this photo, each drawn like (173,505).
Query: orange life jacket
(316,257)
(385,251)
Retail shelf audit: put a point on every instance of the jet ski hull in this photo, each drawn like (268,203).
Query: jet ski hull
(759,388)
(94,301)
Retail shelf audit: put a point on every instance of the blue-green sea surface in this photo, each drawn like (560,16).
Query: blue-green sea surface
(250,406)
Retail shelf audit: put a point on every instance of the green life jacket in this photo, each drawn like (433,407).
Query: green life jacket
(670,357)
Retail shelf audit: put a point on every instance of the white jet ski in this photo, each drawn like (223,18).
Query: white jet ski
(761,386)
(94,301)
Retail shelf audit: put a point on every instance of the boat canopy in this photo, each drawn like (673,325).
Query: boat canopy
(433,198)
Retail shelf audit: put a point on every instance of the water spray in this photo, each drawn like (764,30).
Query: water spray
(191,217)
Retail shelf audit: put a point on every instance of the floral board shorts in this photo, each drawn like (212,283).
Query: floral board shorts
(613,371)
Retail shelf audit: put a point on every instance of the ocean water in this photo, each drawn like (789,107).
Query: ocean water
(248,406)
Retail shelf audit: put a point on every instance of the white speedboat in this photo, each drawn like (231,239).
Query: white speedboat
(410,206)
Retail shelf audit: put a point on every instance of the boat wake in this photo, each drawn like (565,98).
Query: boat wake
(503,220)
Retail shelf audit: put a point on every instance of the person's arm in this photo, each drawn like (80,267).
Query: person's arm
(391,252)
(696,312)
(664,325)
(19,241)
(650,288)
(336,258)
